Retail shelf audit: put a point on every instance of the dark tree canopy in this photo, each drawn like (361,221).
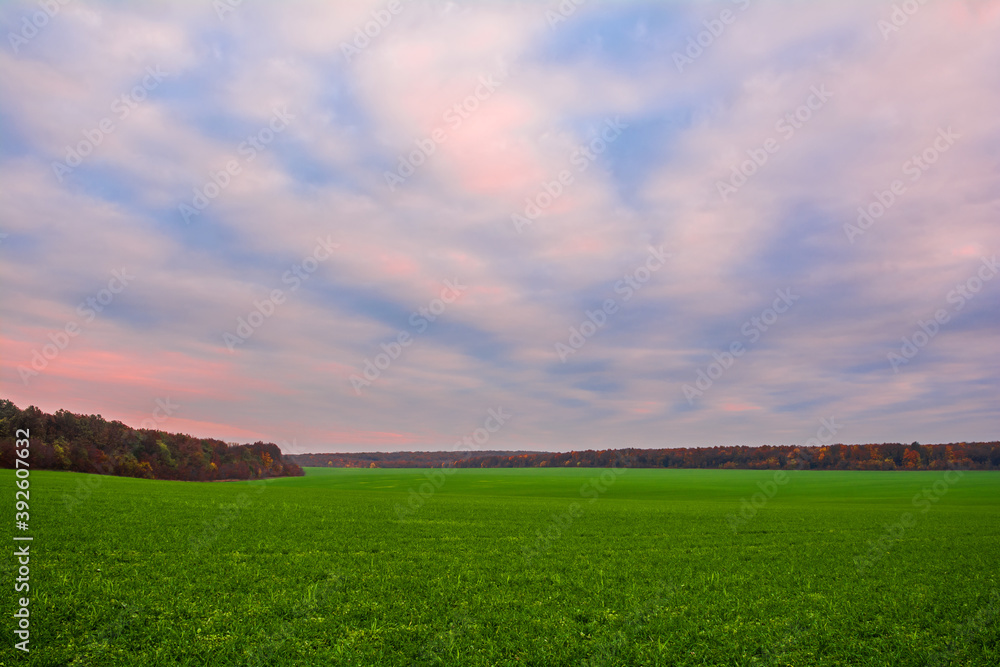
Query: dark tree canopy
(89,443)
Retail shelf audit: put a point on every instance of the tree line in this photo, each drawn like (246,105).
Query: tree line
(89,443)
(885,456)
(390,459)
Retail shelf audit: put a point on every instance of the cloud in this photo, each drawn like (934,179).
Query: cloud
(803,112)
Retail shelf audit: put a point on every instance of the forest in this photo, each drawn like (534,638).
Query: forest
(885,456)
(391,459)
(89,443)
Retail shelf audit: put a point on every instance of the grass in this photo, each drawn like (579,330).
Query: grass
(648,567)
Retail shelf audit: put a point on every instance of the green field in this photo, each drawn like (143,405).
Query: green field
(647,567)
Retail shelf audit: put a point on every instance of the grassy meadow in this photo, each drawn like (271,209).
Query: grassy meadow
(534,566)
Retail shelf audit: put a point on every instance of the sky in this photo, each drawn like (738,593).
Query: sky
(405,225)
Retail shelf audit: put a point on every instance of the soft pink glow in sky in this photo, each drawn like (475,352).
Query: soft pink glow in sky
(657,369)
